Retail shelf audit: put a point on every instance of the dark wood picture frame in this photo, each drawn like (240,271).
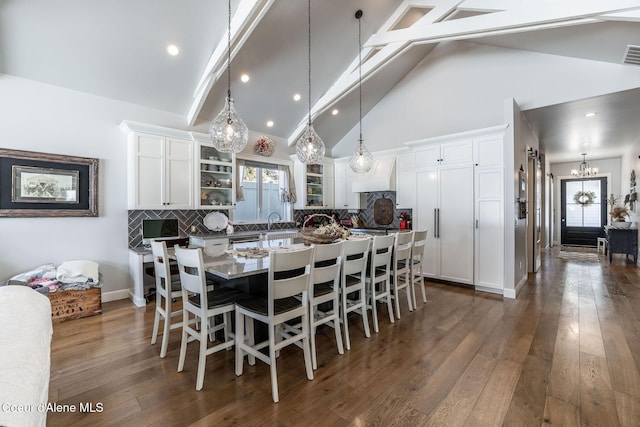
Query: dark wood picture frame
(82,172)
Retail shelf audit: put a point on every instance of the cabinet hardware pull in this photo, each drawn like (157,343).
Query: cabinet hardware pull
(476,223)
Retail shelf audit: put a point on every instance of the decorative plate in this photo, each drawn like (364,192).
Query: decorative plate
(216,221)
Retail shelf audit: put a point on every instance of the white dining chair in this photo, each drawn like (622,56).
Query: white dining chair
(289,277)
(379,277)
(204,304)
(168,289)
(353,291)
(324,291)
(417,255)
(401,269)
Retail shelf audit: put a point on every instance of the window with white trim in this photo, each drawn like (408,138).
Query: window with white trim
(262,185)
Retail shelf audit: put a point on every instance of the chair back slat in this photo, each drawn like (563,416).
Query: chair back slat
(354,256)
(327,260)
(419,241)
(191,268)
(160,260)
(382,250)
(298,264)
(403,246)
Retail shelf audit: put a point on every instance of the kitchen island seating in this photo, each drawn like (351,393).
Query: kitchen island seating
(167,289)
(379,276)
(203,304)
(289,275)
(417,255)
(401,269)
(353,284)
(324,291)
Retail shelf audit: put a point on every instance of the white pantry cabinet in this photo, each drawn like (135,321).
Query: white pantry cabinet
(444,207)
(456,187)
(160,172)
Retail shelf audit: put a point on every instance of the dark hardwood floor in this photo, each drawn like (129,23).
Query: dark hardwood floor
(566,352)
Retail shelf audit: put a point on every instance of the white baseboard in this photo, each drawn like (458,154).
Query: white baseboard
(488,289)
(115,295)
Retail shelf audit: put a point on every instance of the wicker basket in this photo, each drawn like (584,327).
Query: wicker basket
(316,237)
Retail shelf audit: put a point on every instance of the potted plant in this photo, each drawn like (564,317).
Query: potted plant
(618,214)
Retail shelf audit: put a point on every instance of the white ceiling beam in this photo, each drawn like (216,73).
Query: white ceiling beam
(514,18)
(245,19)
(431,29)
(631,16)
(347,81)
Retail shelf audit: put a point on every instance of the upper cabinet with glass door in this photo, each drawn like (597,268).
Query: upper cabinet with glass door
(314,184)
(215,178)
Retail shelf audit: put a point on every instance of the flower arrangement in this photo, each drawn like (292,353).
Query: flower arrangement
(619,213)
(265,146)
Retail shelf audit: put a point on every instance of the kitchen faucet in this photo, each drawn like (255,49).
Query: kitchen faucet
(270,219)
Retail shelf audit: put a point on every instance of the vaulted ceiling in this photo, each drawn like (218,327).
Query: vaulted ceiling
(117,49)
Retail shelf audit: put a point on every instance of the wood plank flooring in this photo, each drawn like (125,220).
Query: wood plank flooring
(566,352)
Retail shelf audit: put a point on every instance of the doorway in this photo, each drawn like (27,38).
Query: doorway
(583,210)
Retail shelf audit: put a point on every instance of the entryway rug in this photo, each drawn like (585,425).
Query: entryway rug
(581,255)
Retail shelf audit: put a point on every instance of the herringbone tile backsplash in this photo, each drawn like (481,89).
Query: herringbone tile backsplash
(194,218)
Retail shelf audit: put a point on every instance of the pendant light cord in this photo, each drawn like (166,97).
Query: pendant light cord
(309,58)
(359,15)
(229,52)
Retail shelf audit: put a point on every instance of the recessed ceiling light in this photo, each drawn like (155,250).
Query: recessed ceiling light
(297,97)
(590,114)
(270,123)
(244,78)
(335,111)
(173,50)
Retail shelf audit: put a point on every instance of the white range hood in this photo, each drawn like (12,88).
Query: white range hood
(381,177)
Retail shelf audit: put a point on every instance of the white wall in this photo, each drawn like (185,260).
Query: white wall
(523,137)
(461,86)
(38,117)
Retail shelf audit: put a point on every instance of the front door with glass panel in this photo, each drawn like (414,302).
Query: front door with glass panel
(584,210)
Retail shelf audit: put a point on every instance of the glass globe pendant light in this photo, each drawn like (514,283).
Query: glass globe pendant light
(361,159)
(228,132)
(309,147)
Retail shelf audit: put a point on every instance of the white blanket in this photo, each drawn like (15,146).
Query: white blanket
(77,271)
(25,345)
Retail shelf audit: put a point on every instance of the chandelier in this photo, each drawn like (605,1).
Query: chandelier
(309,147)
(361,160)
(584,170)
(228,132)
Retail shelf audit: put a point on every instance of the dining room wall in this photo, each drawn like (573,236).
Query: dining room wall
(50,119)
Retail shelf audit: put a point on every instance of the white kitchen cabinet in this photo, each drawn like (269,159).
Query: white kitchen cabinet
(344,197)
(160,172)
(314,184)
(215,178)
(444,207)
(405,181)
(451,153)
(487,151)
(489,228)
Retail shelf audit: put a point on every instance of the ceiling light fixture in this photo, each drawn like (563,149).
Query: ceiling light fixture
(297,97)
(270,123)
(584,170)
(244,78)
(173,50)
(309,147)
(335,112)
(591,114)
(228,132)
(361,160)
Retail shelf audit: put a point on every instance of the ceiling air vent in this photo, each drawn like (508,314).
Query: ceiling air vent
(632,55)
